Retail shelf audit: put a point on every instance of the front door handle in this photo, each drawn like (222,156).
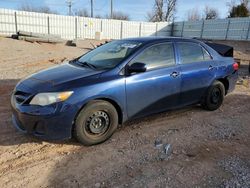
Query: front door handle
(210,67)
(174,74)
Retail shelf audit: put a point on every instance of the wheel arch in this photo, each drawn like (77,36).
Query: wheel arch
(116,105)
(111,101)
(225,82)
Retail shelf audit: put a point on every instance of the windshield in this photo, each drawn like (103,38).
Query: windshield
(109,55)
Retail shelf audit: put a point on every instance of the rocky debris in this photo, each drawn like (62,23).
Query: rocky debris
(240,171)
(97,185)
(63,59)
(245,81)
(165,150)
(171,131)
(71,43)
(52,60)
(158,143)
(57,61)
(37,37)
(224,134)
(88,43)
(246,77)
(191,155)
(65,153)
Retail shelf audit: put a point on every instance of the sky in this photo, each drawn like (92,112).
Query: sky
(136,9)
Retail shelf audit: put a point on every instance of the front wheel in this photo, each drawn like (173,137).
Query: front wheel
(214,96)
(96,122)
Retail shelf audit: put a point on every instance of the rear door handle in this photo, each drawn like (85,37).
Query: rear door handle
(210,67)
(174,74)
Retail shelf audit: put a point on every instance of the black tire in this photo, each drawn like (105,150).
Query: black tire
(214,96)
(96,122)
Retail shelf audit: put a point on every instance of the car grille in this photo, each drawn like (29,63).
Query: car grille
(21,97)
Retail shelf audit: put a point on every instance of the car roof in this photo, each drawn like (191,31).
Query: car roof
(159,39)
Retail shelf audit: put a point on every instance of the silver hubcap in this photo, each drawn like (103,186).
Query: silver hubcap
(98,122)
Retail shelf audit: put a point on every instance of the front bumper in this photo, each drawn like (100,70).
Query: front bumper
(53,122)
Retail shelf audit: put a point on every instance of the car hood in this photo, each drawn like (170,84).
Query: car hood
(52,78)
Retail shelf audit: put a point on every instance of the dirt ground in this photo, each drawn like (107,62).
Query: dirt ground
(208,149)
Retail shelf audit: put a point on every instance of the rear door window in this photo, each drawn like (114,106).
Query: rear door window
(192,52)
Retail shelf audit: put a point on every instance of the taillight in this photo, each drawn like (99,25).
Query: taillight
(236,66)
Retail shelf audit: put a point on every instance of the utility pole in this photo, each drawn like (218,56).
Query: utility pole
(92,9)
(111,9)
(69,4)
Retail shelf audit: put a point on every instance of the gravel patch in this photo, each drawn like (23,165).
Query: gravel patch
(240,171)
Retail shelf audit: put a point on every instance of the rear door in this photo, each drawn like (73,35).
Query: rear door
(158,88)
(197,71)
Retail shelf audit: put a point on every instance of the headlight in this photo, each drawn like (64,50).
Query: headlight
(44,99)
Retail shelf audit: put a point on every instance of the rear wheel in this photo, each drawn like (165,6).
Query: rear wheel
(214,96)
(96,122)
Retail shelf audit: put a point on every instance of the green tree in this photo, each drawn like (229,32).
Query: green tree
(239,11)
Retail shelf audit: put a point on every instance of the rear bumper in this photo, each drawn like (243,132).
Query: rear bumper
(54,122)
(232,79)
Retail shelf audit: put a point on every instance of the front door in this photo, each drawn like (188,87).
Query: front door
(158,88)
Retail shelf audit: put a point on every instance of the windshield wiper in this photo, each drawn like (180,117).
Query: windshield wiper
(85,64)
(88,65)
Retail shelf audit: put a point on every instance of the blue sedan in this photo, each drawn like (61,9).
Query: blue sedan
(90,96)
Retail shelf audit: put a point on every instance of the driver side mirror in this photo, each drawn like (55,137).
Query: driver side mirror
(137,67)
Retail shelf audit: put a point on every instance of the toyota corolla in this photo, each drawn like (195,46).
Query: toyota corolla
(90,96)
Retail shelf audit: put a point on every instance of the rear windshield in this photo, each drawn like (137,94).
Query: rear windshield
(109,55)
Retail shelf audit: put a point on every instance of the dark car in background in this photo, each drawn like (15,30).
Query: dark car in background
(125,79)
